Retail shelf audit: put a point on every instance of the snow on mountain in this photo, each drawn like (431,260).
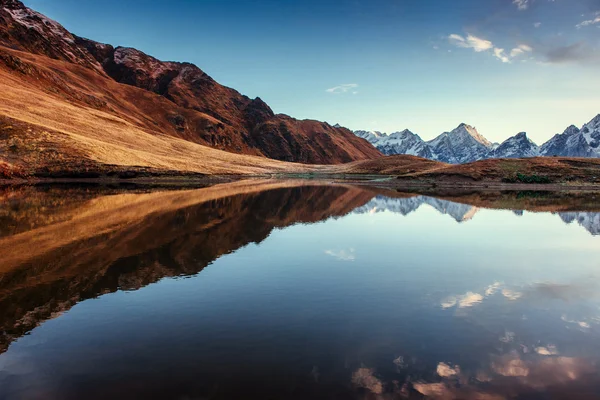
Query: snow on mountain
(570,143)
(404,142)
(465,144)
(461,145)
(372,137)
(518,146)
(591,133)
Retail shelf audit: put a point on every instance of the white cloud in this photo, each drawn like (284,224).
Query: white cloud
(521,49)
(481,45)
(588,22)
(537,24)
(522,4)
(468,299)
(493,288)
(547,351)
(470,42)
(499,54)
(343,255)
(511,294)
(344,88)
(444,370)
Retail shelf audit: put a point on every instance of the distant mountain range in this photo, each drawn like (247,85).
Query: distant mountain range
(465,144)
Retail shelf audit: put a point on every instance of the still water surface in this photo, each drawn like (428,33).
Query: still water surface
(298,292)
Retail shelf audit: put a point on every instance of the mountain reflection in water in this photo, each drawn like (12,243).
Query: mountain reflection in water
(465,212)
(395,325)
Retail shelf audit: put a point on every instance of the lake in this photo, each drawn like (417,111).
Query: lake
(298,290)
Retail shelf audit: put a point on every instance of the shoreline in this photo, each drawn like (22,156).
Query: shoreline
(372,180)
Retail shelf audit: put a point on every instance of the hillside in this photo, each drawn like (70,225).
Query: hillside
(74,108)
(96,105)
(542,170)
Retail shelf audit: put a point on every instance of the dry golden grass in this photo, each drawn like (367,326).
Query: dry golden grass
(107,139)
(390,165)
(58,116)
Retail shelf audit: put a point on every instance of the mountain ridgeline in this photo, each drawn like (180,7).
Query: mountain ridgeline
(197,108)
(465,144)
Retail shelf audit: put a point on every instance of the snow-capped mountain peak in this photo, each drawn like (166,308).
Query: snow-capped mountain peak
(371,136)
(591,132)
(463,129)
(465,144)
(462,144)
(403,142)
(518,146)
(575,142)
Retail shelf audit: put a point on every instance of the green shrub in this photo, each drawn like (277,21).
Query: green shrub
(522,178)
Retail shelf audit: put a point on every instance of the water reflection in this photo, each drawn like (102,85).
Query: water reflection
(87,245)
(464,212)
(405,206)
(313,292)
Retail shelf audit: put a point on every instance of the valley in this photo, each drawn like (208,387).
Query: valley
(75,109)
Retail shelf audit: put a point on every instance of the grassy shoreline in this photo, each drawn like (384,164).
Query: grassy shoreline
(373,180)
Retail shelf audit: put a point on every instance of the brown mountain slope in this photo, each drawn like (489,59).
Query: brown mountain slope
(178,99)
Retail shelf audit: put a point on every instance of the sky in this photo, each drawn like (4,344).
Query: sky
(503,66)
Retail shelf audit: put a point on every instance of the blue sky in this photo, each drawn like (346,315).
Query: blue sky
(504,66)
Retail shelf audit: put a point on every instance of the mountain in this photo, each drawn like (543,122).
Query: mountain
(574,142)
(461,145)
(372,137)
(465,144)
(404,142)
(51,76)
(518,146)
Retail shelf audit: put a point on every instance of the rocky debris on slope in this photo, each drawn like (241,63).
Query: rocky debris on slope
(24,29)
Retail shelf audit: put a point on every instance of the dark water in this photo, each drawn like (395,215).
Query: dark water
(314,292)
